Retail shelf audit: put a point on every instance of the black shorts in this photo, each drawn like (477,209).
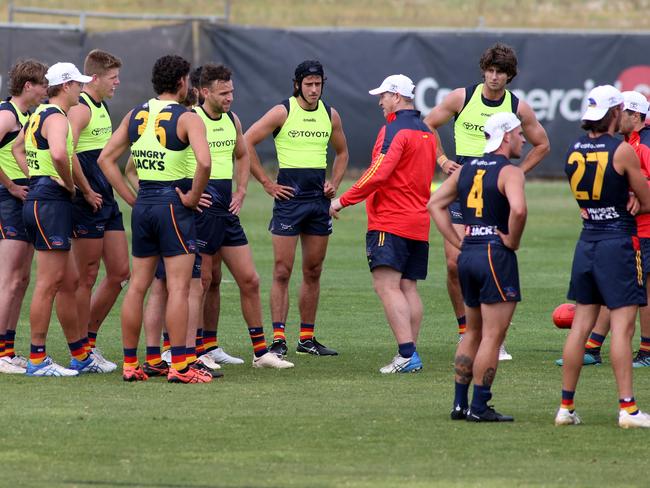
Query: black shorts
(162,229)
(214,231)
(12,225)
(408,256)
(608,272)
(294,217)
(48,224)
(92,225)
(455,212)
(645,253)
(488,273)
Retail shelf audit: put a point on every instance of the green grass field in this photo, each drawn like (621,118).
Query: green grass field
(334,422)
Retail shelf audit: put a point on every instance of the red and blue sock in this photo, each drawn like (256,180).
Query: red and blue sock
(37,354)
(77,350)
(306,332)
(200,349)
(595,342)
(462,324)
(153,356)
(278,331)
(567,400)
(210,341)
(131,357)
(629,405)
(257,339)
(10,337)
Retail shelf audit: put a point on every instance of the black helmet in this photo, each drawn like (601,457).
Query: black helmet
(307,68)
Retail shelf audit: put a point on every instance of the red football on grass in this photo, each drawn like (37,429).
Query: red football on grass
(563,315)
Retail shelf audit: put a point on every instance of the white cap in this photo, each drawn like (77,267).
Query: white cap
(496,127)
(600,100)
(60,73)
(395,84)
(635,101)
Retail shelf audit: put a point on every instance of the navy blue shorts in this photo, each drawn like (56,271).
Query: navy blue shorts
(608,272)
(645,253)
(48,224)
(214,231)
(488,273)
(162,230)
(295,217)
(455,212)
(12,226)
(161,273)
(408,256)
(92,225)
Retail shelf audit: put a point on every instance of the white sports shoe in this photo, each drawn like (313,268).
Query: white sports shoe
(401,364)
(627,421)
(270,360)
(49,368)
(167,356)
(91,364)
(107,366)
(503,354)
(565,417)
(220,356)
(208,362)
(8,367)
(20,361)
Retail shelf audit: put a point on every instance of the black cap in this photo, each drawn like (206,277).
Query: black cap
(307,68)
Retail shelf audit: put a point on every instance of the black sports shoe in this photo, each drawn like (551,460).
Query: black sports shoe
(279,348)
(490,415)
(312,346)
(160,369)
(459,413)
(199,365)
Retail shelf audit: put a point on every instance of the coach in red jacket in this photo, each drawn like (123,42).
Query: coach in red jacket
(397,189)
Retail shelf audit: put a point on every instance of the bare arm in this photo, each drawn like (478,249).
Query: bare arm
(190,124)
(242,170)
(8,122)
(79,117)
(255,134)
(18,151)
(340,145)
(132,174)
(115,147)
(437,206)
(535,134)
(55,130)
(511,184)
(439,116)
(626,161)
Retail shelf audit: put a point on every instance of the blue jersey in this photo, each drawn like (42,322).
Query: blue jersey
(644,135)
(485,209)
(601,193)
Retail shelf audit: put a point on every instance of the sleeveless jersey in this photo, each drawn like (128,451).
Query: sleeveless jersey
(601,193)
(39,159)
(158,153)
(222,137)
(468,127)
(92,140)
(7,160)
(485,209)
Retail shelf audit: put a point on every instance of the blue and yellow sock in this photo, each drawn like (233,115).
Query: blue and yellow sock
(77,350)
(210,341)
(37,354)
(200,349)
(153,356)
(595,342)
(166,343)
(629,405)
(567,400)
(131,357)
(10,337)
(278,331)
(257,339)
(190,355)
(92,339)
(306,331)
(178,359)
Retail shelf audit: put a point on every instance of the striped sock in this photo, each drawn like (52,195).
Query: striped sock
(190,355)
(86,343)
(257,338)
(178,359)
(644,347)
(629,405)
(200,349)
(131,357)
(92,339)
(567,400)
(210,341)
(10,336)
(306,331)
(462,324)
(77,350)
(595,342)
(2,345)
(153,356)
(166,344)
(278,331)
(37,354)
